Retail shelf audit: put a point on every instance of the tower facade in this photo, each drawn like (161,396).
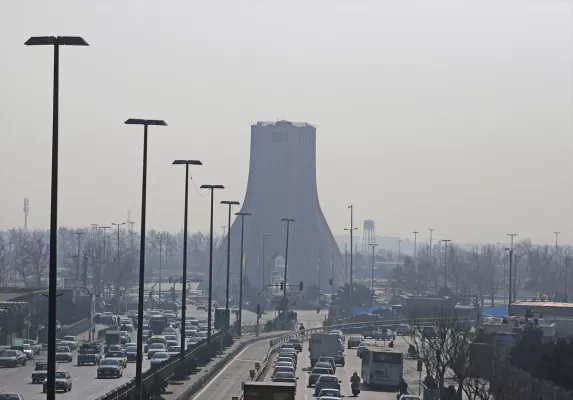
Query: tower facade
(282,184)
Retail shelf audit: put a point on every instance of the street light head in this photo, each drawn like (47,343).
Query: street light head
(288,219)
(104,227)
(212,187)
(135,121)
(118,224)
(230,202)
(187,162)
(243,213)
(53,40)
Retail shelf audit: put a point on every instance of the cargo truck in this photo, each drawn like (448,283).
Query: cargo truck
(269,390)
(322,345)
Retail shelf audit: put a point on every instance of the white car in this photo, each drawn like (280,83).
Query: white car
(409,397)
(27,349)
(69,341)
(36,347)
(328,394)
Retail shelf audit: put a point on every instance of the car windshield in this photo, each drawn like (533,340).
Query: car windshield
(284,375)
(62,350)
(320,371)
(60,375)
(330,392)
(41,367)
(88,350)
(112,354)
(161,355)
(69,339)
(9,353)
(156,346)
(325,378)
(175,348)
(108,362)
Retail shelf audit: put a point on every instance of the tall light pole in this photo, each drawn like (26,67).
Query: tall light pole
(351,231)
(567,262)
(230,204)
(78,234)
(431,236)
(209,307)
(416,254)
(517,257)
(55,41)
(187,163)
(141,295)
(288,221)
(160,264)
(445,260)
(259,279)
(511,277)
(399,250)
(373,245)
(104,263)
(242,215)
(118,265)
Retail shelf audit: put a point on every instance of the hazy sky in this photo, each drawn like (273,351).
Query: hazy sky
(446,114)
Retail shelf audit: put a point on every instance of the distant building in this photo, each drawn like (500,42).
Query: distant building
(422,307)
(542,309)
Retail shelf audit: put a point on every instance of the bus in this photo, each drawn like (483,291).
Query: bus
(381,366)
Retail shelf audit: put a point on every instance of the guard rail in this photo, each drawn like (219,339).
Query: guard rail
(199,351)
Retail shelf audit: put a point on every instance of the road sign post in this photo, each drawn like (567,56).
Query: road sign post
(419,368)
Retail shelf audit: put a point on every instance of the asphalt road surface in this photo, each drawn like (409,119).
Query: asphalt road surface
(85,385)
(227,383)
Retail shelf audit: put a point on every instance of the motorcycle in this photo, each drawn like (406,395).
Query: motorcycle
(355,386)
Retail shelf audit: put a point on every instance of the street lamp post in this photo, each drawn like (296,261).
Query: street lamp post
(140,297)
(242,215)
(260,279)
(567,262)
(230,204)
(55,41)
(288,221)
(445,260)
(517,257)
(209,307)
(78,234)
(351,229)
(373,245)
(118,265)
(184,277)
(399,250)
(104,263)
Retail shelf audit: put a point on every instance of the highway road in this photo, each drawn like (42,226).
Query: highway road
(227,383)
(86,386)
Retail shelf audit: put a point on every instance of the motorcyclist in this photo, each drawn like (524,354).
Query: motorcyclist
(354,379)
(301,327)
(391,344)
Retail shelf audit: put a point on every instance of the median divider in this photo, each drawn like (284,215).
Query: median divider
(202,381)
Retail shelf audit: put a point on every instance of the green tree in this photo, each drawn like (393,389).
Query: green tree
(361,296)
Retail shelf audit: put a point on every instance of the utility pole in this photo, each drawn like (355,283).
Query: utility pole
(567,262)
(262,262)
(318,269)
(445,260)
(78,234)
(117,290)
(160,265)
(399,250)
(288,221)
(351,229)
(431,235)
(373,245)
(345,262)
(511,235)
(103,264)
(416,254)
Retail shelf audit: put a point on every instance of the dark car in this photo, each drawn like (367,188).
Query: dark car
(63,382)
(109,368)
(40,372)
(296,343)
(131,353)
(11,396)
(12,358)
(354,341)
(316,373)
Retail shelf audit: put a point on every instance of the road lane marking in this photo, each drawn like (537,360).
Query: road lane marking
(222,371)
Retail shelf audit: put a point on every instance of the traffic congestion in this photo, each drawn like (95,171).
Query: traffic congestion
(95,368)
